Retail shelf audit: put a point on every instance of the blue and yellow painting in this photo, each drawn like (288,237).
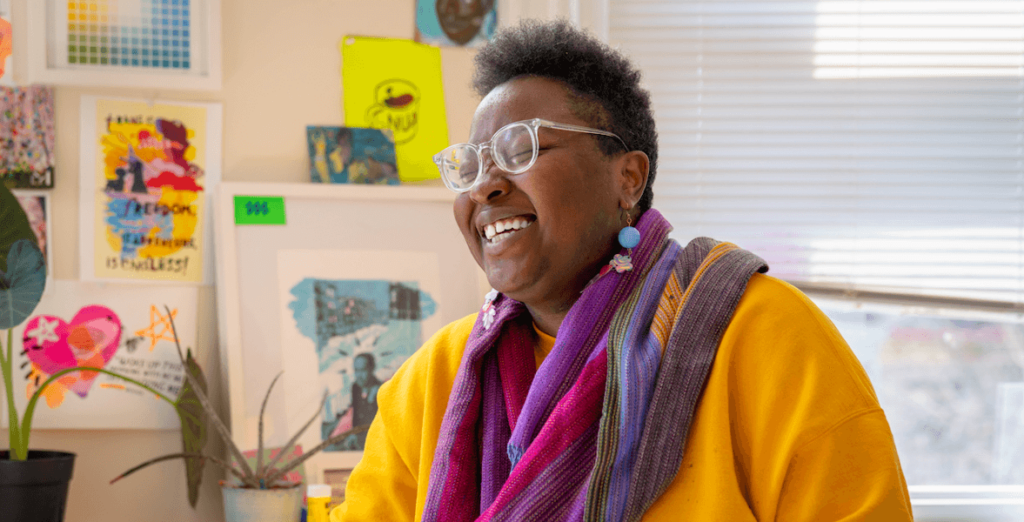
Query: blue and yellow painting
(352,155)
(363,330)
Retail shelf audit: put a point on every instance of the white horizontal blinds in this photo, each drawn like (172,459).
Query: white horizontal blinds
(873,144)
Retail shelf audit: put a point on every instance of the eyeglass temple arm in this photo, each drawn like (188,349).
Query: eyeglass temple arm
(577,128)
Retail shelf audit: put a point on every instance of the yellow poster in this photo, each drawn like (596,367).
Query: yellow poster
(150,178)
(396,84)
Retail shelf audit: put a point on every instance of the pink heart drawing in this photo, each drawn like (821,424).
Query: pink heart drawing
(90,339)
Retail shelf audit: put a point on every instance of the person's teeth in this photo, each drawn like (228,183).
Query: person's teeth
(495,232)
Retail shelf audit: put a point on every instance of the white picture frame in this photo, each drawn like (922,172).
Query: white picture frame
(376,220)
(48,42)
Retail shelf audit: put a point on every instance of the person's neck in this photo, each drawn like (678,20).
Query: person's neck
(549,313)
(548,321)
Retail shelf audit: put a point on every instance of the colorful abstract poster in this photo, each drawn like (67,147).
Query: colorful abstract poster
(125,329)
(36,205)
(464,23)
(352,155)
(396,84)
(27,138)
(350,319)
(146,172)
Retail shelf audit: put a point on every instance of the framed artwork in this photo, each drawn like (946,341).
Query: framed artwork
(36,204)
(125,329)
(350,318)
(459,23)
(146,171)
(352,155)
(165,44)
(336,291)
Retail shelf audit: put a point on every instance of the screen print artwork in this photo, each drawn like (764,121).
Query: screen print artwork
(150,192)
(363,330)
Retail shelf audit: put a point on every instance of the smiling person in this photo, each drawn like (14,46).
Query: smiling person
(612,373)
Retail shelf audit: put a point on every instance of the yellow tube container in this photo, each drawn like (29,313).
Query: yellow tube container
(317,498)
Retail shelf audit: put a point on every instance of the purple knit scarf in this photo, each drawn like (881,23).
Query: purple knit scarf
(521,444)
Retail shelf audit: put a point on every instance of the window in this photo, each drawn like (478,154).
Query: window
(872,151)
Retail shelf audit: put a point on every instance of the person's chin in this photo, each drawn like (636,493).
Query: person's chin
(510,285)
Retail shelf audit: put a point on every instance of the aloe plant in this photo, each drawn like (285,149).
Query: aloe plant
(266,475)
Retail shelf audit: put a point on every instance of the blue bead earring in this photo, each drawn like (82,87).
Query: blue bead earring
(629,237)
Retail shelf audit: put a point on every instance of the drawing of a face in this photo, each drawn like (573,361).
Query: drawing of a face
(461,20)
(396,107)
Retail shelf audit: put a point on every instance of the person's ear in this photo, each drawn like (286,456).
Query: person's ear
(633,169)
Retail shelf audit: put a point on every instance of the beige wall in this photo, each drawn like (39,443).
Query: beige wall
(281,72)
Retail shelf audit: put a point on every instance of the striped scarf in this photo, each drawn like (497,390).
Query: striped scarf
(598,431)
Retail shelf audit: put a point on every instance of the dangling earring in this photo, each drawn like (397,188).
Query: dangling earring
(629,237)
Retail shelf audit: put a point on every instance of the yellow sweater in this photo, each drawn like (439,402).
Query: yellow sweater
(789,427)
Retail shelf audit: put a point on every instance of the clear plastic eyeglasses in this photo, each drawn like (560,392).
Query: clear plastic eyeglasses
(513,148)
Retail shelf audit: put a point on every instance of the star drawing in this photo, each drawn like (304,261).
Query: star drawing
(159,327)
(44,331)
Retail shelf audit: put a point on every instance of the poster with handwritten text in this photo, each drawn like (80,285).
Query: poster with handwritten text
(120,328)
(147,169)
(396,84)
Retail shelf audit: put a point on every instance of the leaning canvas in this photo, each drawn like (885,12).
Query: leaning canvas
(352,155)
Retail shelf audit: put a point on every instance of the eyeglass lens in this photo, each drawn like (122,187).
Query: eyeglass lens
(512,150)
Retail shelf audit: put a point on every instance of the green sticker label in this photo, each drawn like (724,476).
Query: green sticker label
(259,210)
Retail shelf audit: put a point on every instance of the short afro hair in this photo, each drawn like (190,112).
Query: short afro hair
(592,70)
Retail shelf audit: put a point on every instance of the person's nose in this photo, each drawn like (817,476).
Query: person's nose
(493,182)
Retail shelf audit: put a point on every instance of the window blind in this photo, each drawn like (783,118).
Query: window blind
(868,145)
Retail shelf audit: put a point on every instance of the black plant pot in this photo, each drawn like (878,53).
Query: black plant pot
(35,490)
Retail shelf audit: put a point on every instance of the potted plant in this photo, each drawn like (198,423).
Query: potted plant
(34,483)
(263,493)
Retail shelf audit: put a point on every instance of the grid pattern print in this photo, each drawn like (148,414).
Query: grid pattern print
(130,33)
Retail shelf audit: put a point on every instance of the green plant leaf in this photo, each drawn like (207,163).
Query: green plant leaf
(13,225)
(193,427)
(22,284)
